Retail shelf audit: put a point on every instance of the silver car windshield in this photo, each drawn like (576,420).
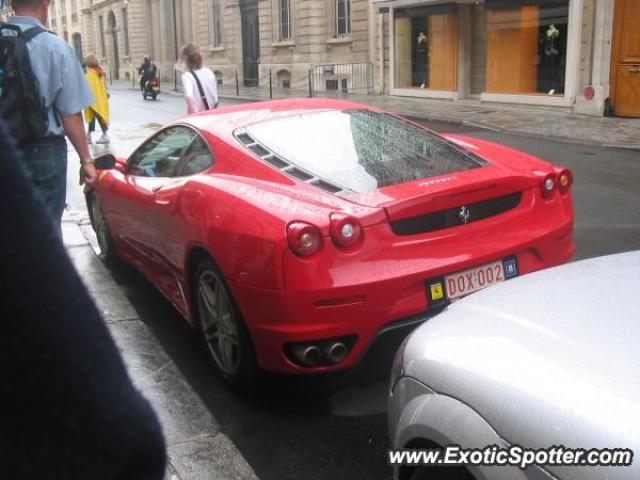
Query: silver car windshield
(360,150)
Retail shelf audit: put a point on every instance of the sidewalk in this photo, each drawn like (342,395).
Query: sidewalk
(542,122)
(197,449)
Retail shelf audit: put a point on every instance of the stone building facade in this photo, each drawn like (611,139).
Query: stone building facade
(569,54)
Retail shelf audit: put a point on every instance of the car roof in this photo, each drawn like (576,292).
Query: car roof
(223,121)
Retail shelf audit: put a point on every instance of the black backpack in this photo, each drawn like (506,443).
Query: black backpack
(21,106)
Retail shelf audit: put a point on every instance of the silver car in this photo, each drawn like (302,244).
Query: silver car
(550,359)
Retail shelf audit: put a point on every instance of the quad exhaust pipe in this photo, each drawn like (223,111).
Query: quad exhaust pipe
(335,352)
(308,355)
(322,353)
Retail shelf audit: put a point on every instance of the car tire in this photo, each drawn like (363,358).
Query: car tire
(108,252)
(154,96)
(222,328)
(144,95)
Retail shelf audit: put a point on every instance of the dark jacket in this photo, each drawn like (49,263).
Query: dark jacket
(68,409)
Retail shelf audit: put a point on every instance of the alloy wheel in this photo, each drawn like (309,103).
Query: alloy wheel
(218,322)
(100,226)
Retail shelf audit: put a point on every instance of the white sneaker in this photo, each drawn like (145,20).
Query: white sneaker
(104,139)
(89,139)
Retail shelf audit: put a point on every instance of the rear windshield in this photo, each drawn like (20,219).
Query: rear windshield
(360,150)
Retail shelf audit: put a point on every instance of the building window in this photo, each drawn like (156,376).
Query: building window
(125,23)
(218,75)
(217,23)
(285,19)
(284,79)
(426,54)
(343,18)
(103,48)
(526,46)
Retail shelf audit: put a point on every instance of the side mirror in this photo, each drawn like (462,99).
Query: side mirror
(105,162)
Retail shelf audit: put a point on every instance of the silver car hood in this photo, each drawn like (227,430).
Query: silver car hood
(551,358)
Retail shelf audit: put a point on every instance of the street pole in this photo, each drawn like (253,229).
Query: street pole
(175,45)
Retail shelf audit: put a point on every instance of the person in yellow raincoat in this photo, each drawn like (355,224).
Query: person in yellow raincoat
(97,80)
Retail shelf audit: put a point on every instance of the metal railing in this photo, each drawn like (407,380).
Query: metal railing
(251,81)
(341,78)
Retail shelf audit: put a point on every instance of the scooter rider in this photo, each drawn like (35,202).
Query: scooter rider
(148,70)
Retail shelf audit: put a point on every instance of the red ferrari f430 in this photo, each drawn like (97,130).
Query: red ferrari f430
(294,233)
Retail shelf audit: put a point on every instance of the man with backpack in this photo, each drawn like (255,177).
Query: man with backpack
(42,94)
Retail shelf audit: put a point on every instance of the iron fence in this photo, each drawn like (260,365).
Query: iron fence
(252,80)
(341,78)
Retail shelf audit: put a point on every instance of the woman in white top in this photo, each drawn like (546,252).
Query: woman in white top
(198,82)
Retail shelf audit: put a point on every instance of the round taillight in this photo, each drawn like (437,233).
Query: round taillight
(549,185)
(345,230)
(565,180)
(304,239)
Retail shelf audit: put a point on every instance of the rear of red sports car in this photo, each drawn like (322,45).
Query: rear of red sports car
(415,221)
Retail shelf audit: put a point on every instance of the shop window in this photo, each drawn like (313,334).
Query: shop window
(426,48)
(526,46)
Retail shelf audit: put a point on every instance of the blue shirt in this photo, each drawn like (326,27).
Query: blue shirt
(60,76)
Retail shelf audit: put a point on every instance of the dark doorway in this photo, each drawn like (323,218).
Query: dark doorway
(77,46)
(115,62)
(250,41)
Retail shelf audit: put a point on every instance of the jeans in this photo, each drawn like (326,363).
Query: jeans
(46,162)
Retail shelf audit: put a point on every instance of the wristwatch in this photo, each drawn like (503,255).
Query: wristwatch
(87,162)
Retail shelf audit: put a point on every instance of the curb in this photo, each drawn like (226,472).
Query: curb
(197,448)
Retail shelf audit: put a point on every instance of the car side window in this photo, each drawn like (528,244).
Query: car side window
(161,154)
(196,159)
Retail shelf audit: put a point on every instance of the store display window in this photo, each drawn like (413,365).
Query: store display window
(426,47)
(526,46)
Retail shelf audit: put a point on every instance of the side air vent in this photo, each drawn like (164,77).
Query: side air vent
(329,187)
(299,174)
(284,166)
(275,161)
(259,150)
(245,139)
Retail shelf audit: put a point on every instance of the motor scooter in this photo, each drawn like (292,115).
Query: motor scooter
(151,88)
